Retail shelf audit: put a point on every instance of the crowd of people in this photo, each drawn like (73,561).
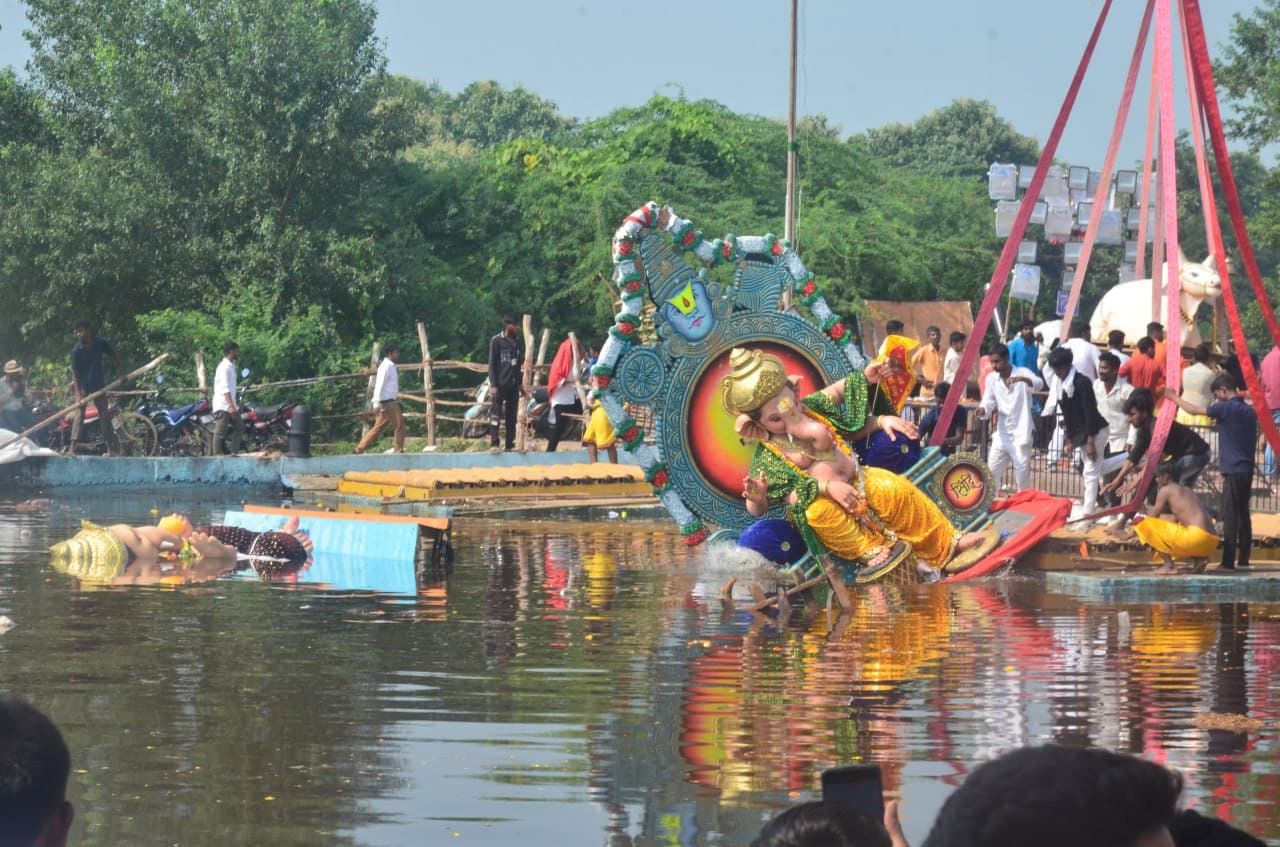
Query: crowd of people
(1048,795)
(1075,404)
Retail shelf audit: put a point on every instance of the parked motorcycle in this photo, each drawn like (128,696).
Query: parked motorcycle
(537,416)
(179,431)
(136,434)
(476,420)
(266,428)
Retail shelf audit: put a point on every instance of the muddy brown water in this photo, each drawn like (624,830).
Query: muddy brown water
(574,680)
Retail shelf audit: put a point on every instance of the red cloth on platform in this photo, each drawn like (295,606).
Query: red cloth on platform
(1048,513)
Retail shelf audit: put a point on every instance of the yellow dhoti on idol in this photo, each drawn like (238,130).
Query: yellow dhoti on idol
(914,518)
(1176,540)
(895,508)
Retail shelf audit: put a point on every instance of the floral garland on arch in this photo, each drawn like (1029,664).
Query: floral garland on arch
(630,278)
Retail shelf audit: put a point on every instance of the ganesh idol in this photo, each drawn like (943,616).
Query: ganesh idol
(804,459)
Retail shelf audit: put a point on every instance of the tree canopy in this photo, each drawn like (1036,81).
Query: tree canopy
(186,173)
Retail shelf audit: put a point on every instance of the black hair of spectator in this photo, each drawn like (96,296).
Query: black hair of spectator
(1142,400)
(34,766)
(893,327)
(1078,329)
(819,824)
(1146,344)
(957,336)
(940,390)
(83,324)
(1055,796)
(1203,353)
(229,346)
(999,349)
(1115,338)
(1154,326)
(1026,325)
(1225,382)
(1191,829)
(1061,356)
(1110,358)
(389,348)
(509,319)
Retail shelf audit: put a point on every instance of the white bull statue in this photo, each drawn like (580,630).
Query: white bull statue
(1127,306)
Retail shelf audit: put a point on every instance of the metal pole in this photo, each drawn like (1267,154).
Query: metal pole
(789,224)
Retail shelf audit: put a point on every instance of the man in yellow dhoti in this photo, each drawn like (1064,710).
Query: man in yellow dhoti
(803,458)
(1184,528)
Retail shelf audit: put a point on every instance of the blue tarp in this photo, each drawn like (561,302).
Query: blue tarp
(349,555)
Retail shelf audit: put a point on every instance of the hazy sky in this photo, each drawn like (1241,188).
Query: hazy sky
(862,64)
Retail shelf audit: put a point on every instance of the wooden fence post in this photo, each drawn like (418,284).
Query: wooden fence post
(202,378)
(526,377)
(542,352)
(426,384)
(576,371)
(368,392)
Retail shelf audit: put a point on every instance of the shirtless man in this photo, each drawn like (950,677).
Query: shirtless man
(1183,530)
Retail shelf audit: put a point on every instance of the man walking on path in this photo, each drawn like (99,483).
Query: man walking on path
(1008,394)
(1237,425)
(562,394)
(504,383)
(88,376)
(226,407)
(386,393)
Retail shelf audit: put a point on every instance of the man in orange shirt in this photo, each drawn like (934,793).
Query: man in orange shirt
(926,362)
(1155,331)
(1144,369)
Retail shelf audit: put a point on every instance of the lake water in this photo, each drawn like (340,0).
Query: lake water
(574,680)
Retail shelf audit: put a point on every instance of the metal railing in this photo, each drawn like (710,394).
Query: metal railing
(1060,474)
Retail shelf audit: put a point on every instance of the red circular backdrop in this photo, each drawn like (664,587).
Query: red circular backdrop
(717,451)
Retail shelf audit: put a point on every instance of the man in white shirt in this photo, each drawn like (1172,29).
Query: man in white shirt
(226,410)
(1111,391)
(1115,345)
(386,390)
(1084,355)
(1008,394)
(951,361)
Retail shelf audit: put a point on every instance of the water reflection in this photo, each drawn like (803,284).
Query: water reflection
(568,682)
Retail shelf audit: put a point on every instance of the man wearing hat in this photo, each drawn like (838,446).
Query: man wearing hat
(14,414)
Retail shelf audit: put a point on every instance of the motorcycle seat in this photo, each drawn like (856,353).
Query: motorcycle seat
(267,412)
(183,411)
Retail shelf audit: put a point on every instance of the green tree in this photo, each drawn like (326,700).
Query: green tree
(961,139)
(486,115)
(1248,75)
(1248,72)
(223,150)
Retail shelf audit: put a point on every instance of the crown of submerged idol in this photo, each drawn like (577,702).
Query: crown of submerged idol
(754,376)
